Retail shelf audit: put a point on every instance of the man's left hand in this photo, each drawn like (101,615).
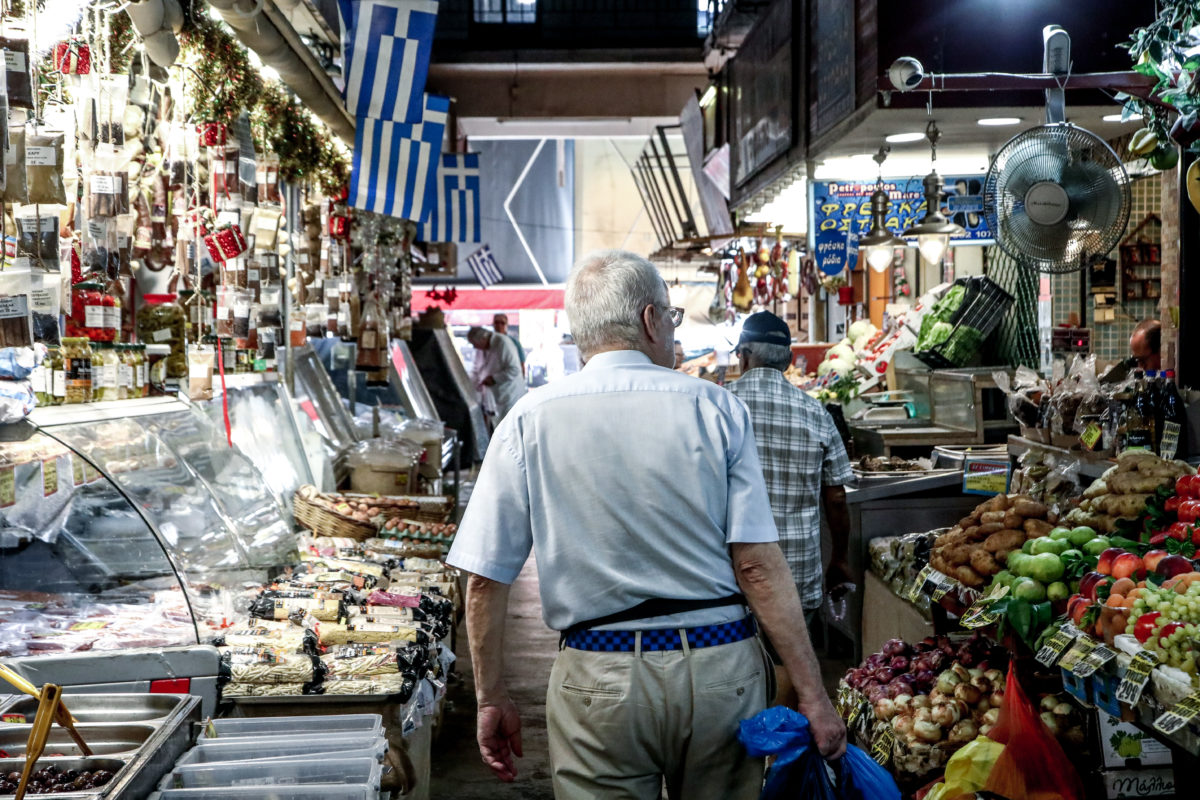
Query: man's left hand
(489,381)
(837,574)
(498,730)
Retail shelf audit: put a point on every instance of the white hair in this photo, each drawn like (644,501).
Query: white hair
(606,293)
(775,356)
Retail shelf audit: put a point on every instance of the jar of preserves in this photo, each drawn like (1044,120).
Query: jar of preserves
(137,359)
(125,371)
(156,368)
(95,314)
(105,372)
(77,369)
(53,390)
(161,320)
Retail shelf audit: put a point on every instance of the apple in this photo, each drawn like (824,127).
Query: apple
(1152,558)
(1081,535)
(1170,566)
(1088,584)
(1128,565)
(1060,533)
(1096,546)
(1077,611)
(1158,539)
(1105,563)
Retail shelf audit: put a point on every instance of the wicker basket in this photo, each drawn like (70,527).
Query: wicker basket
(324,522)
(431,508)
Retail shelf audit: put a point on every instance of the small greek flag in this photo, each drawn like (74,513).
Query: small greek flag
(455,216)
(484,265)
(386,46)
(394,164)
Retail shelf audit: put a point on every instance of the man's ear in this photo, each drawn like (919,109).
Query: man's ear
(648,324)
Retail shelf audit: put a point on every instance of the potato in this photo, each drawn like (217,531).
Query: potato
(1029,509)
(983,562)
(990,517)
(1004,540)
(1013,520)
(998,503)
(968,577)
(987,530)
(969,521)
(1036,527)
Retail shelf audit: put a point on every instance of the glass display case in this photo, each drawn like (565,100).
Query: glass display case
(133,523)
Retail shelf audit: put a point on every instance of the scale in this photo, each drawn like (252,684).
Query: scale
(884,406)
(1068,341)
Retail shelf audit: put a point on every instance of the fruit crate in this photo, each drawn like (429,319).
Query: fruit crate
(983,308)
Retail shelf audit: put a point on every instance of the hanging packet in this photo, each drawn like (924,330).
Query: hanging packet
(16,328)
(44,168)
(15,189)
(17,73)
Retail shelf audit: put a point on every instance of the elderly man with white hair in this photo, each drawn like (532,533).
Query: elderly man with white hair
(640,489)
(497,371)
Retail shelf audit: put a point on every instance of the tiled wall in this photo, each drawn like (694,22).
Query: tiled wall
(1110,341)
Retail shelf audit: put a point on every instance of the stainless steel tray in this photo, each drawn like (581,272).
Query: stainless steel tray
(113,765)
(102,739)
(107,708)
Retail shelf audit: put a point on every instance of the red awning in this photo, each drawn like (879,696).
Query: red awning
(493,300)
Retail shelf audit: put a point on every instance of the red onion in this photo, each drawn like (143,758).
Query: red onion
(898,664)
(895,647)
(923,680)
(876,660)
(883,674)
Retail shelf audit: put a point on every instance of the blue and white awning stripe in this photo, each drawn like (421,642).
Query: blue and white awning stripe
(386,45)
(455,216)
(395,164)
(484,265)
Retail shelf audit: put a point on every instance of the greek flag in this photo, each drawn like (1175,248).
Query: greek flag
(455,216)
(386,46)
(484,265)
(394,164)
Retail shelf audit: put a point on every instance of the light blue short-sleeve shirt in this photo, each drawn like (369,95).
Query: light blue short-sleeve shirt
(631,481)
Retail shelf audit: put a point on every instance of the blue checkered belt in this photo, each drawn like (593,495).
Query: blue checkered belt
(661,638)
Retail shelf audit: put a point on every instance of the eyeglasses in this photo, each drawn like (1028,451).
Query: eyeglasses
(675,313)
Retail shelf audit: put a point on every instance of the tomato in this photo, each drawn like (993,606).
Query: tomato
(1181,486)
(1173,502)
(1144,627)
(1189,510)
(1196,536)
(1167,630)
(1180,531)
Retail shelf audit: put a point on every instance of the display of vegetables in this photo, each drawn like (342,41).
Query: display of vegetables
(935,325)
(979,546)
(900,669)
(1122,492)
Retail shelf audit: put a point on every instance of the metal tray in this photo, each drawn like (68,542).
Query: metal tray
(114,765)
(107,708)
(102,739)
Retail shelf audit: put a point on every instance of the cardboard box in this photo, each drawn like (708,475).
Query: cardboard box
(1139,782)
(1124,744)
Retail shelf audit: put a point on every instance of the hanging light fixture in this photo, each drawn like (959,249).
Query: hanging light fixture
(880,243)
(934,231)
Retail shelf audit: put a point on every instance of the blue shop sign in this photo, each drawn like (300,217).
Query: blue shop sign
(846,206)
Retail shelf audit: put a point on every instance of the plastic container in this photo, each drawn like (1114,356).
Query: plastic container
(366,771)
(366,724)
(315,792)
(77,369)
(379,466)
(246,748)
(205,755)
(94,314)
(161,320)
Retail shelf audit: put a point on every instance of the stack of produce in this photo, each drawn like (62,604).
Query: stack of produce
(1122,492)
(979,546)
(898,559)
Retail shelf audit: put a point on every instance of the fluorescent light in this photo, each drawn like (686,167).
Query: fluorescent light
(1117,118)
(898,138)
(992,121)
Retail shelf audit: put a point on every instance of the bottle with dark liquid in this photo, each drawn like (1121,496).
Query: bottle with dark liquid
(1174,419)
(1138,431)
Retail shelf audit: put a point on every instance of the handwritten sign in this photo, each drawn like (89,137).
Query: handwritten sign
(1053,649)
(1180,714)
(1137,674)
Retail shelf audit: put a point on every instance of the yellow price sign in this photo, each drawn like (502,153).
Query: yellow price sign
(1180,714)
(49,476)
(8,486)
(881,748)
(919,583)
(1137,674)
(1083,646)
(1052,650)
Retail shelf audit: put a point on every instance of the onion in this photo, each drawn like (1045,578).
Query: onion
(1050,721)
(923,715)
(882,674)
(1048,702)
(984,730)
(875,660)
(902,724)
(1062,709)
(884,709)
(924,679)
(964,675)
(876,693)
(895,647)
(994,675)
(982,684)
(963,732)
(927,731)
(945,715)
(921,702)
(947,681)
(967,693)
(902,703)
(898,663)
(997,698)
(991,717)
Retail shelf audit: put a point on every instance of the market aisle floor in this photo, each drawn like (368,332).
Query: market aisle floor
(457,772)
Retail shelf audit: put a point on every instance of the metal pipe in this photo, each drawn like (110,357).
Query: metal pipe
(689,221)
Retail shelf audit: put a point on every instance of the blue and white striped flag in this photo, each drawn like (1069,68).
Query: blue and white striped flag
(484,265)
(455,216)
(395,164)
(386,46)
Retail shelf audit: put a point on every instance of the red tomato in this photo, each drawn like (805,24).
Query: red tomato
(1165,630)
(1181,485)
(1144,626)
(1173,502)
(1196,536)
(1189,510)
(1193,486)
(1180,531)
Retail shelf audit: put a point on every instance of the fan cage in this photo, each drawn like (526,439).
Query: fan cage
(1036,148)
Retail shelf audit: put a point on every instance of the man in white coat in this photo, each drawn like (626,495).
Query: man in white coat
(497,370)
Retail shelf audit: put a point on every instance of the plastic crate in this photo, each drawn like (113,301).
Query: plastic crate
(366,724)
(201,755)
(1079,688)
(333,771)
(1104,692)
(246,748)
(315,792)
(983,308)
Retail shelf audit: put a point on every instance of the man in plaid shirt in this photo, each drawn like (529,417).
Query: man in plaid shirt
(803,460)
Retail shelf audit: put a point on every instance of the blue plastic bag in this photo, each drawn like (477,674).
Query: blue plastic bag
(800,771)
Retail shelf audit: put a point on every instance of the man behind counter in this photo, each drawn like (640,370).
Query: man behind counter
(1144,345)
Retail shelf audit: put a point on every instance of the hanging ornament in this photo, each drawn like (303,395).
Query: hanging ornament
(72,57)
(226,243)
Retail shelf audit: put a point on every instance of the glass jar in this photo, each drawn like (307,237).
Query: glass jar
(106,365)
(156,368)
(57,387)
(161,320)
(77,369)
(137,359)
(92,313)
(198,306)
(125,372)
(39,382)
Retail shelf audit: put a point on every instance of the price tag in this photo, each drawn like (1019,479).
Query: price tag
(8,486)
(1083,646)
(49,476)
(1095,660)
(77,475)
(942,585)
(980,615)
(919,583)
(1090,436)
(1053,649)
(1136,676)
(986,476)
(856,710)
(1180,715)
(881,748)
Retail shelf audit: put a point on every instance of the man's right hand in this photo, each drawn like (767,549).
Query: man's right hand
(498,730)
(828,730)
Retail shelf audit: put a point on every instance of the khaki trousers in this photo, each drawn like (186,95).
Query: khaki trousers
(622,724)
